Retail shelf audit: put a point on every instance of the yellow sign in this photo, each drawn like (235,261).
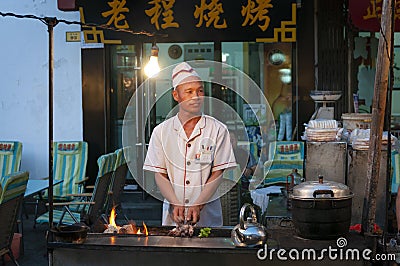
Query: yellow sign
(287,34)
(73,36)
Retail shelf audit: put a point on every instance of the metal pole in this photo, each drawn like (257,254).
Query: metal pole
(378,116)
(51,22)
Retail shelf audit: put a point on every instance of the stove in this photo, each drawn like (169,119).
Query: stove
(155,249)
(160,249)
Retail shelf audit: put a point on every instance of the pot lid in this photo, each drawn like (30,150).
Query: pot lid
(321,189)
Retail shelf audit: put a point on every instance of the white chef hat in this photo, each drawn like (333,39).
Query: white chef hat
(181,72)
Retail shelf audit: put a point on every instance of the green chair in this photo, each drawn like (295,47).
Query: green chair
(86,207)
(12,190)
(119,178)
(69,165)
(10,157)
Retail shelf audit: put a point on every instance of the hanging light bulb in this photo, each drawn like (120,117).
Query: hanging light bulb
(286,75)
(152,68)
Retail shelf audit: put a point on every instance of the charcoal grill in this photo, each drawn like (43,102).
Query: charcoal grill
(159,249)
(156,248)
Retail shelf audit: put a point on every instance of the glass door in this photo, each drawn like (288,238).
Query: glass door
(124,80)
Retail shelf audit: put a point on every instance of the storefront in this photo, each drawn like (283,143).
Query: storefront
(288,48)
(285,76)
(258,38)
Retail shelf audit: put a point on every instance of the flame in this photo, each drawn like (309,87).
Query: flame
(112,218)
(145,232)
(135,230)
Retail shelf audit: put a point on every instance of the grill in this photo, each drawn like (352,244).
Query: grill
(159,249)
(156,249)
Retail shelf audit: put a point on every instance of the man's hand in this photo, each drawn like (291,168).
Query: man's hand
(178,214)
(193,214)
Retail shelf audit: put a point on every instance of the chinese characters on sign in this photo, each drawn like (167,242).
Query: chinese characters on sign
(195,20)
(119,19)
(287,31)
(163,8)
(252,13)
(73,36)
(366,14)
(208,14)
(212,16)
(374,10)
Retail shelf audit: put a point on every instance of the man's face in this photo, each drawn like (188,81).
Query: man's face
(190,95)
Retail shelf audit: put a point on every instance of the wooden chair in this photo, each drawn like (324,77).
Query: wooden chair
(12,190)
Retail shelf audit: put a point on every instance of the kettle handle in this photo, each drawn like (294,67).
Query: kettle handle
(242,211)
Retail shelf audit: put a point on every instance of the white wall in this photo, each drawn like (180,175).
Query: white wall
(24,108)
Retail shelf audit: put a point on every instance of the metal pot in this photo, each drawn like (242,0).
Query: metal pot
(75,233)
(321,209)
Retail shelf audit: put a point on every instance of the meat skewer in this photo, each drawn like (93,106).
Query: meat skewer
(182,230)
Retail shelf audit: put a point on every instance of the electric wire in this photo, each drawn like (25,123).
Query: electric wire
(54,20)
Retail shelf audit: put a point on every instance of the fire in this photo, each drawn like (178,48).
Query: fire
(112,218)
(130,228)
(146,233)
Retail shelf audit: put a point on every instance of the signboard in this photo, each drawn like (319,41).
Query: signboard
(73,36)
(366,14)
(191,20)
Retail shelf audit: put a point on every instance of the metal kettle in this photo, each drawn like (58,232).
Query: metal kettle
(248,233)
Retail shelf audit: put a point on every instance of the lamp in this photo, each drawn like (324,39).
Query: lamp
(152,68)
(286,76)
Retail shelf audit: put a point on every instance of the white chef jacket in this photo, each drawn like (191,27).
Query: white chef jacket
(188,162)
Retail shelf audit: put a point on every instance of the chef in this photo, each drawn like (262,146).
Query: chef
(188,154)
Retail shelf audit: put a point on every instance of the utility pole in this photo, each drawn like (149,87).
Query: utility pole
(378,116)
(51,23)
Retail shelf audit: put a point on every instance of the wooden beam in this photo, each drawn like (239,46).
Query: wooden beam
(378,116)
